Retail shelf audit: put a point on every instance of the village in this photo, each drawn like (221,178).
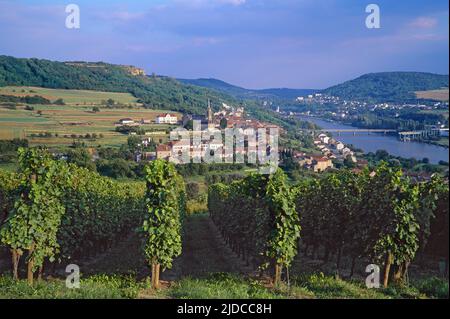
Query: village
(344,108)
(207,127)
(328,149)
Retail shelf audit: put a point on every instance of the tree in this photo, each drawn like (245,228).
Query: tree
(116,168)
(81,157)
(189,125)
(164,211)
(95,109)
(348,162)
(382,155)
(59,102)
(134,142)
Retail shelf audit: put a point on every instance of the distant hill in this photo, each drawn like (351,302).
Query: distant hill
(217,85)
(154,91)
(388,86)
(242,93)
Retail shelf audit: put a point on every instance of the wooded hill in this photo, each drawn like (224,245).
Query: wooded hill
(388,86)
(154,91)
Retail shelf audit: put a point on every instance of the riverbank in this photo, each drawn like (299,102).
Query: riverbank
(372,142)
(443,142)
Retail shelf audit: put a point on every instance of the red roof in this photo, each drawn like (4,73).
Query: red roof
(163,148)
(165,115)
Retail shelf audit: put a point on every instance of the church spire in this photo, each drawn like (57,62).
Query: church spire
(210,113)
(210,116)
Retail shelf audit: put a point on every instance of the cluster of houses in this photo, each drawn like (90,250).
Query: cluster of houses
(347,108)
(333,149)
(227,117)
(310,97)
(316,163)
(195,150)
(330,150)
(198,149)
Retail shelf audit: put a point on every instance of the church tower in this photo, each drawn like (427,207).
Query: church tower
(210,115)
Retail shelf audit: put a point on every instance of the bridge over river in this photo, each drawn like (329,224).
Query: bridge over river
(354,131)
(407,136)
(403,135)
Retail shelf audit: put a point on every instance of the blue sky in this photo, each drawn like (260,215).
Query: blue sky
(251,43)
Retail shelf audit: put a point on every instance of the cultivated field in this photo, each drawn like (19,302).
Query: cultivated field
(71,97)
(76,118)
(438,95)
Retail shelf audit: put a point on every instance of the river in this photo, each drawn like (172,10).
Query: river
(375,141)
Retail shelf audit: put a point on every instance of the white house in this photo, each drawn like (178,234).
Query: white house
(346,151)
(324,138)
(166,119)
(339,146)
(126,121)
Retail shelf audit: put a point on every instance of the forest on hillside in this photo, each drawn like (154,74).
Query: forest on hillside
(388,86)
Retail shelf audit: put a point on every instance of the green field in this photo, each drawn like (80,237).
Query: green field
(72,97)
(75,118)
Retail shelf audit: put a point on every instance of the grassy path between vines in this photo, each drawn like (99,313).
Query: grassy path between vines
(203,253)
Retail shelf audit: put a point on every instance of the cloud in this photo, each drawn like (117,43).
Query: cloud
(424,23)
(233,2)
(126,16)
(199,41)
